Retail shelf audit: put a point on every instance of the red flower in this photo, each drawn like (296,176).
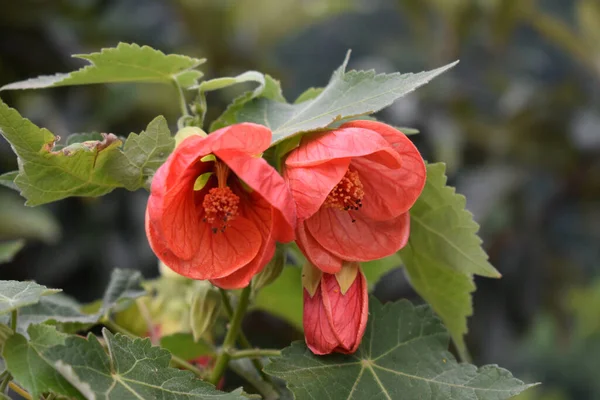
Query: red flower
(216,208)
(353,187)
(335,309)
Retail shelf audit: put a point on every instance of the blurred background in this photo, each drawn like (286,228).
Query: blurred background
(517,122)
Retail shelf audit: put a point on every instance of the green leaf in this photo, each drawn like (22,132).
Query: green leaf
(132,369)
(9,249)
(143,154)
(22,222)
(309,94)
(124,285)
(15,294)
(8,180)
(442,229)
(47,175)
(28,363)
(283,298)
(184,346)
(446,290)
(403,355)
(83,137)
(346,95)
(270,89)
(60,308)
(124,63)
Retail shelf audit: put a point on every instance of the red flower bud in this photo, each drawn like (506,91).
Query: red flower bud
(335,309)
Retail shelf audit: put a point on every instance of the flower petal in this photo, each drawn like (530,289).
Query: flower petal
(412,173)
(263,178)
(315,253)
(362,240)
(246,137)
(257,210)
(310,186)
(340,143)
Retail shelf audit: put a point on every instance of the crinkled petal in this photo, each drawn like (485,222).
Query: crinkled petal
(362,240)
(263,178)
(341,143)
(315,253)
(310,186)
(412,173)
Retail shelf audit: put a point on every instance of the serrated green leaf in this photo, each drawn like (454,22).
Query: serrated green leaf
(60,308)
(132,369)
(9,249)
(28,363)
(143,154)
(47,175)
(271,89)
(283,297)
(124,63)
(442,228)
(8,180)
(446,290)
(403,355)
(347,94)
(15,294)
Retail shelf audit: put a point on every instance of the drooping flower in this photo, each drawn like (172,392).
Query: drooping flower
(216,208)
(353,187)
(335,309)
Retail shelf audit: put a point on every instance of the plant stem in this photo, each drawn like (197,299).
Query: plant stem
(254,353)
(244,342)
(21,392)
(232,335)
(178,361)
(51,396)
(13,320)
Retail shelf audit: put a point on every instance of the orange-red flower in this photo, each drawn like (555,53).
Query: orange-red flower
(216,208)
(335,310)
(353,187)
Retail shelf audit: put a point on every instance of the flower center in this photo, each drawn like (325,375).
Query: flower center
(220,203)
(347,195)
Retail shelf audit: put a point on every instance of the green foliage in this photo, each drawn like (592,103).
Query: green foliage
(143,154)
(15,294)
(268,88)
(89,168)
(59,308)
(124,63)
(9,249)
(8,180)
(132,369)
(444,252)
(403,356)
(346,95)
(184,346)
(283,297)
(124,285)
(30,365)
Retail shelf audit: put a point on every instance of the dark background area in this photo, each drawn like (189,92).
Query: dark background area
(517,122)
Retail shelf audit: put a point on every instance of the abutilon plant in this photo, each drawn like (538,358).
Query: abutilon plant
(221,219)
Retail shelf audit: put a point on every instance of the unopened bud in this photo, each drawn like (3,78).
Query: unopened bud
(186,132)
(272,270)
(206,306)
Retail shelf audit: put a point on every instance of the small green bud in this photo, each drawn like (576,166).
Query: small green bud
(188,131)
(271,271)
(206,306)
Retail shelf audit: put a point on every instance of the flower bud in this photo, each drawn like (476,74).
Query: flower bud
(206,306)
(271,271)
(186,132)
(335,319)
